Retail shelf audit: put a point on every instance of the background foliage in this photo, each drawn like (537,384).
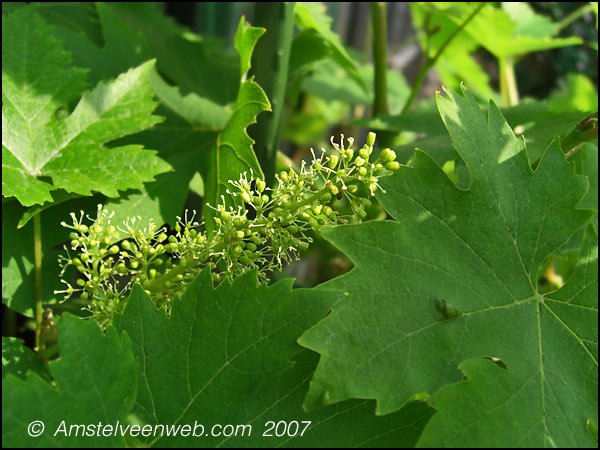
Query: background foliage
(462,313)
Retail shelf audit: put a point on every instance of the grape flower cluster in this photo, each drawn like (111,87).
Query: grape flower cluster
(263,230)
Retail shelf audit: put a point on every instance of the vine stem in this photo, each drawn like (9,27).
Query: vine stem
(380,101)
(270,63)
(39,310)
(307,201)
(431,60)
(379,21)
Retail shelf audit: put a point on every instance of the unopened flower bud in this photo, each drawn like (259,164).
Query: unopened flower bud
(364,152)
(387,155)
(326,198)
(333,161)
(246,197)
(371,139)
(392,165)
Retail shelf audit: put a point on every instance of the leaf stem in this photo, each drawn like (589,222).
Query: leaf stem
(431,60)
(585,131)
(49,352)
(508,81)
(39,310)
(572,17)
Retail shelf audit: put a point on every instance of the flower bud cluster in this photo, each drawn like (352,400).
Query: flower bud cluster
(109,264)
(267,228)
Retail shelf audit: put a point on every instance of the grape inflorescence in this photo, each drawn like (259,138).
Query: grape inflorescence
(255,228)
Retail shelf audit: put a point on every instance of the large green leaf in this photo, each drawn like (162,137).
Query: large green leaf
(207,80)
(233,359)
(117,48)
(94,380)
(474,406)
(186,59)
(454,278)
(191,122)
(37,86)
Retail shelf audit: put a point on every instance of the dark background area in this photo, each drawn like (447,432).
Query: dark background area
(538,73)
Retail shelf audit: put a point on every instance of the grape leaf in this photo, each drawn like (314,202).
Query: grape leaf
(191,122)
(538,122)
(80,16)
(508,33)
(94,380)
(193,63)
(457,63)
(234,154)
(198,134)
(454,278)
(117,48)
(474,406)
(129,39)
(229,351)
(188,138)
(586,163)
(514,29)
(37,86)
(186,147)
